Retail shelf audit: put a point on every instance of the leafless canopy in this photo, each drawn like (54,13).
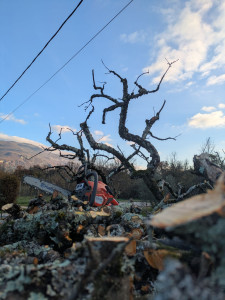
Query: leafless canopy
(139,142)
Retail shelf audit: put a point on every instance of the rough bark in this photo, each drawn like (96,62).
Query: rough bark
(198,222)
(204,167)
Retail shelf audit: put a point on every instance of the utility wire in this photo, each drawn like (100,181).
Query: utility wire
(42,50)
(94,36)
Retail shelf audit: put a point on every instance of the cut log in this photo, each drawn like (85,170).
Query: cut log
(194,208)
(203,166)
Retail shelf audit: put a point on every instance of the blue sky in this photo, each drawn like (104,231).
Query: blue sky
(138,40)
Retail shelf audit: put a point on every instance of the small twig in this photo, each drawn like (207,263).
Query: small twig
(194,187)
(164,139)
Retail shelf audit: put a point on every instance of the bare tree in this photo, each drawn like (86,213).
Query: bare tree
(141,143)
(208,146)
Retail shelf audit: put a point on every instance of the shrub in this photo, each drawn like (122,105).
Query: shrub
(9,188)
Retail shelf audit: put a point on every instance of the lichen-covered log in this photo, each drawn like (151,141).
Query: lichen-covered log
(72,253)
(199,222)
(68,250)
(60,228)
(86,274)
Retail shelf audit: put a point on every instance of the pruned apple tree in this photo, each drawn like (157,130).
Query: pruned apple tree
(141,143)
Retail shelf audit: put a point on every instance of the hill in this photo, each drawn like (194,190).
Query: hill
(14,154)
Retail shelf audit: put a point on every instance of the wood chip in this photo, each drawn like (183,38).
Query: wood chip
(102,213)
(114,239)
(7,206)
(74,198)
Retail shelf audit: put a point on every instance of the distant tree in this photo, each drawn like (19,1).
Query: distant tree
(208,146)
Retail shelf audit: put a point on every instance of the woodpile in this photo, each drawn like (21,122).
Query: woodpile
(65,250)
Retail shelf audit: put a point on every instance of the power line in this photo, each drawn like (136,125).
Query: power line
(42,50)
(94,36)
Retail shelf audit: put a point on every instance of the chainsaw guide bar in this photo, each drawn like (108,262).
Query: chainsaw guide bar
(45,186)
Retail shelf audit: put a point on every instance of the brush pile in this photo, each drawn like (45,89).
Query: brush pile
(67,250)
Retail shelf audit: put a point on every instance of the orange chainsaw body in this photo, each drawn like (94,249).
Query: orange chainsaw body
(103,197)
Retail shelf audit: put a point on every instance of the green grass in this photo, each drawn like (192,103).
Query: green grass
(24,200)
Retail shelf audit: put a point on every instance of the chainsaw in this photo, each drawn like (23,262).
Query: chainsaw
(95,192)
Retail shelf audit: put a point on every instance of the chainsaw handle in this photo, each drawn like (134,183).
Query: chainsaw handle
(93,194)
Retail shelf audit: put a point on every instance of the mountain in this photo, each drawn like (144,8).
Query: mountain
(14,154)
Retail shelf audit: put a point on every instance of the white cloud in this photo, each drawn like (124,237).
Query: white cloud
(191,37)
(130,143)
(201,5)
(110,145)
(98,132)
(12,118)
(105,138)
(210,120)
(140,167)
(62,129)
(221,105)
(134,37)
(216,79)
(17,139)
(208,108)
(189,83)
(102,138)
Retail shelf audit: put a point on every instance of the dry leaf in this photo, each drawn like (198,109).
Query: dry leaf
(145,288)
(33,210)
(101,230)
(66,236)
(136,233)
(55,194)
(155,258)
(130,249)
(166,198)
(35,261)
(79,228)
